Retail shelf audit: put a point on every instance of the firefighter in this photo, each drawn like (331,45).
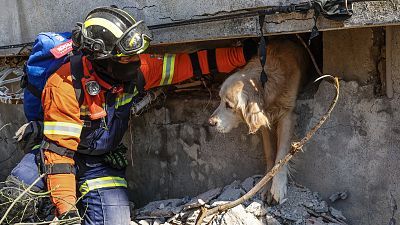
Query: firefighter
(81,151)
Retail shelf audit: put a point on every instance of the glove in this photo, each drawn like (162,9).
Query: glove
(29,135)
(72,217)
(117,159)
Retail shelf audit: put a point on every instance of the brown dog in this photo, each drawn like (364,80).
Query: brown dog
(269,109)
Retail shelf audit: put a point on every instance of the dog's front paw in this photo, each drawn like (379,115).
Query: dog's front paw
(279,187)
(265,194)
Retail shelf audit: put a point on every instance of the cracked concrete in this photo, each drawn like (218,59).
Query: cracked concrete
(61,15)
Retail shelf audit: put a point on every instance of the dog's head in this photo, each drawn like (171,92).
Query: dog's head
(241,101)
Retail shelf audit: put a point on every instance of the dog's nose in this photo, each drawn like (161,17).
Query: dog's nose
(212,121)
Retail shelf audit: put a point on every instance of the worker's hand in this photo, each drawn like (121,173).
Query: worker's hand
(71,217)
(29,135)
(117,159)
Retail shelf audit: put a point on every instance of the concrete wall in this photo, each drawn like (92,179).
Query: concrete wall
(175,153)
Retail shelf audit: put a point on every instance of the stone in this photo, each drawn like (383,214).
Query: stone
(145,222)
(231,192)
(257,208)
(338,195)
(271,220)
(163,208)
(322,207)
(237,216)
(158,222)
(337,213)
(315,221)
(202,198)
(248,184)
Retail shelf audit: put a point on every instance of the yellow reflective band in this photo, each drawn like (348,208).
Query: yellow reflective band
(102,182)
(62,128)
(84,110)
(106,24)
(123,99)
(168,69)
(36,147)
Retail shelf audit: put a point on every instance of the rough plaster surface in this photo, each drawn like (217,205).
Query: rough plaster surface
(355,151)
(176,153)
(346,50)
(23,20)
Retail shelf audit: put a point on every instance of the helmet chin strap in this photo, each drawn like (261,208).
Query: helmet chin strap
(114,72)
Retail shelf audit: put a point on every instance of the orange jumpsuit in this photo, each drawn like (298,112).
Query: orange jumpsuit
(62,122)
(153,66)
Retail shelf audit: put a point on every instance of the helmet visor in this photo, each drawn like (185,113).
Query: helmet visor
(133,39)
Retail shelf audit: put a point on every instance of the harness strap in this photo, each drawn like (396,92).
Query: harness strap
(263,51)
(194,59)
(57,149)
(59,168)
(102,182)
(36,92)
(212,61)
(77,75)
(141,82)
(314,30)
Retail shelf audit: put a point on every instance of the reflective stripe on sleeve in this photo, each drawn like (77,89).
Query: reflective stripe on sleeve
(168,69)
(62,128)
(102,182)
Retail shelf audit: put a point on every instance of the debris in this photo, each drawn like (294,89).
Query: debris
(338,195)
(302,207)
(322,207)
(202,199)
(336,213)
(232,192)
(257,208)
(248,184)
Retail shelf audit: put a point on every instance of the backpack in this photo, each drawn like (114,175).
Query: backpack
(50,52)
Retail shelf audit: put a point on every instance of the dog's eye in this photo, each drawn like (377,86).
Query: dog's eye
(228,106)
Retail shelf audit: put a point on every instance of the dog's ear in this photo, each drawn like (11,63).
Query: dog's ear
(252,113)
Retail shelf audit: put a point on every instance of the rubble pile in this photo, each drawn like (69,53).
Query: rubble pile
(301,206)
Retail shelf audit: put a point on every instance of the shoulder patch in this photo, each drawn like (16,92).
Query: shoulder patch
(62,49)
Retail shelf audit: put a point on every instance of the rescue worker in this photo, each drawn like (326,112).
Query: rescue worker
(86,132)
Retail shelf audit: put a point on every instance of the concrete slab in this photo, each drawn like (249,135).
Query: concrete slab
(23,20)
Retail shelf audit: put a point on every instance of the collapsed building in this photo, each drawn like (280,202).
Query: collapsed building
(173,153)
